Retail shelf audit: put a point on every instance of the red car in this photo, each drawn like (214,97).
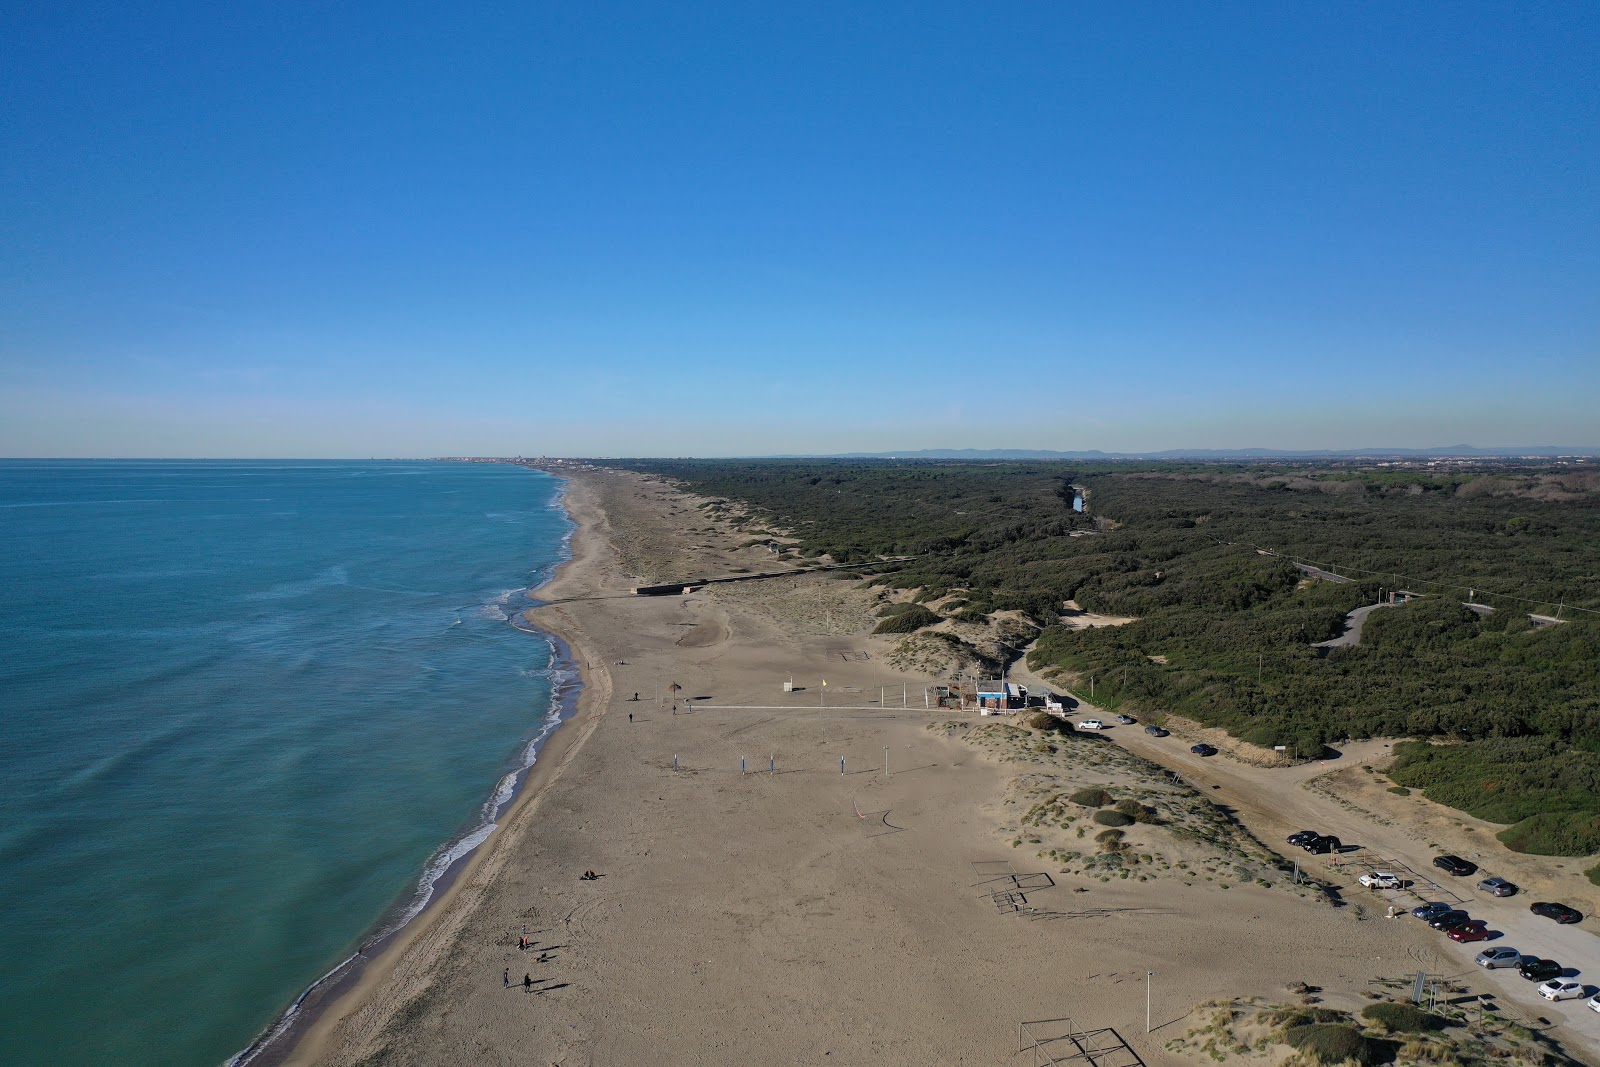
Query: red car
(1476,930)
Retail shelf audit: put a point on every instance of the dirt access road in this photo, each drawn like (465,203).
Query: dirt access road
(1274,802)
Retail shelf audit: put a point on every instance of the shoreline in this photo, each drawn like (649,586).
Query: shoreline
(298,1030)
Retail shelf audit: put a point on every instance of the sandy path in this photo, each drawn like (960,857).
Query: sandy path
(754,917)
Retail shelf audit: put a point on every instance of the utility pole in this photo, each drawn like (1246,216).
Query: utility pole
(1147,976)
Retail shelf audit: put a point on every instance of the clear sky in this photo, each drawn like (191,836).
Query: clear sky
(312,229)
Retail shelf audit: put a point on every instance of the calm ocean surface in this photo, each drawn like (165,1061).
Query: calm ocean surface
(242,707)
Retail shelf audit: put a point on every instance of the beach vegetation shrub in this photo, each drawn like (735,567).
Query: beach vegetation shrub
(913,618)
(1398,1018)
(1112,818)
(1557,833)
(1330,1043)
(1046,722)
(1593,874)
(1286,1017)
(1136,811)
(1091,797)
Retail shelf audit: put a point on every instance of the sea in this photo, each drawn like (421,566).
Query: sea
(249,713)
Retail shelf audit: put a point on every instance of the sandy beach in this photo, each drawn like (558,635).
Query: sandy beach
(795,913)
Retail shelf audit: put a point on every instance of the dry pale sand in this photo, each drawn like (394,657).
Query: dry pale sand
(754,917)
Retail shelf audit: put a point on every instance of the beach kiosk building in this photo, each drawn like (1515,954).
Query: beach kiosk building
(996,697)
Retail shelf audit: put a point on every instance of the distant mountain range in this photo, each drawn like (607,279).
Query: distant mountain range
(1448,452)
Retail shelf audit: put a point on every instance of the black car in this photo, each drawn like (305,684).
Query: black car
(1156,731)
(1202,750)
(1449,920)
(1498,887)
(1455,865)
(1540,970)
(1322,844)
(1430,910)
(1559,912)
(1303,836)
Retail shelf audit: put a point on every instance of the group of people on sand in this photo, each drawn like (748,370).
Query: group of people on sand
(524,943)
(527,981)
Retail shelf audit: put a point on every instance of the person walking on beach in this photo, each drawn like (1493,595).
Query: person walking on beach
(527,983)
(630,716)
(506,978)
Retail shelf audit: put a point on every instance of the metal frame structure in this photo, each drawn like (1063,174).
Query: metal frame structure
(1103,1047)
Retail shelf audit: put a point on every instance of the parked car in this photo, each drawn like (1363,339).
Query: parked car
(1559,912)
(1303,836)
(1202,749)
(1427,911)
(1561,989)
(1380,880)
(1156,731)
(1476,930)
(1593,1003)
(1126,720)
(1323,844)
(1495,958)
(1447,920)
(1539,970)
(1091,724)
(1455,865)
(1498,887)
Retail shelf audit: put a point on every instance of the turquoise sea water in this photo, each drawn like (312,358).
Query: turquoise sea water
(243,707)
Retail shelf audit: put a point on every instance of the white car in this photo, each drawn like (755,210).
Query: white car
(1561,989)
(1380,880)
(1503,956)
(1091,724)
(1593,1003)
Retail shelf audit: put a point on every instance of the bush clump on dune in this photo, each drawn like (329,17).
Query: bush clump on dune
(1093,797)
(1113,818)
(913,617)
(1136,811)
(1330,1042)
(1402,1018)
(1047,722)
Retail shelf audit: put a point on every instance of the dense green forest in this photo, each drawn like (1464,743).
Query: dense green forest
(1204,557)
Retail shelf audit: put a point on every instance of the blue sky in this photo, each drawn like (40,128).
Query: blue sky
(583,229)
